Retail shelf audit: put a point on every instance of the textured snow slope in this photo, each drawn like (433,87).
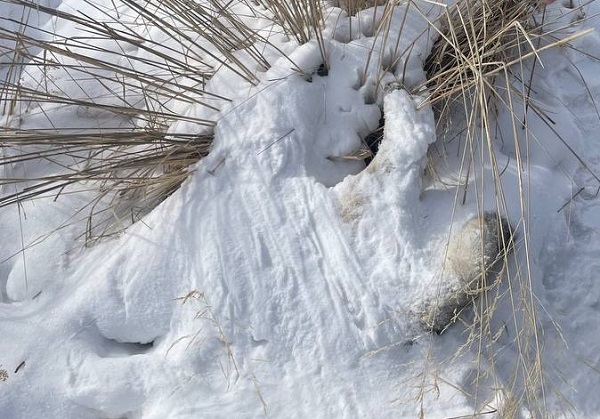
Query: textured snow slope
(277,282)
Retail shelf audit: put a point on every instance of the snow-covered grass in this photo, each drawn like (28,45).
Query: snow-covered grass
(261,268)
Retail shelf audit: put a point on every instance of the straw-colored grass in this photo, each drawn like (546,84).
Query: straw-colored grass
(354,6)
(132,164)
(471,78)
(132,170)
(180,45)
(135,166)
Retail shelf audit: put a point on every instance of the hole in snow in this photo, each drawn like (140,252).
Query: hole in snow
(106,347)
(110,348)
(369,92)
(389,62)
(322,71)
(372,141)
(367,148)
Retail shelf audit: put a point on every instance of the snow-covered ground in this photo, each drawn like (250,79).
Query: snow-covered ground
(280,282)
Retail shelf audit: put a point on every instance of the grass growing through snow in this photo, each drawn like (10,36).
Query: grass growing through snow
(133,166)
(483,65)
(137,67)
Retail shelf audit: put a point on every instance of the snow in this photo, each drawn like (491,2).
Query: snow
(280,282)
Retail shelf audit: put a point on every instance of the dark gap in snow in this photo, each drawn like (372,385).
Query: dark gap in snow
(373,139)
(112,348)
(322,71)
(370,95)
(3,279)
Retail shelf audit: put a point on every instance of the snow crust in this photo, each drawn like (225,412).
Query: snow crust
(280,282)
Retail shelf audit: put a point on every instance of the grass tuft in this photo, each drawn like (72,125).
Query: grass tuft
(137,67)
(132,170)
(159,56)
(483,66)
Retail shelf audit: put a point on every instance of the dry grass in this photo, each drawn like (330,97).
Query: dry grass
(301,19)
(138,66)
(138,160)
(471,79)
(132,169)
(3,374)
(351,7)
(132,164)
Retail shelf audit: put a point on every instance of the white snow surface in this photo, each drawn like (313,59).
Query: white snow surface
(277,282)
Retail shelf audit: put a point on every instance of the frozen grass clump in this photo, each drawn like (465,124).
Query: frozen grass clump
(145,80)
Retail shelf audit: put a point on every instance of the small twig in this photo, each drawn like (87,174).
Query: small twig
(21,365)
(276,141)
(570,200)
(213,171)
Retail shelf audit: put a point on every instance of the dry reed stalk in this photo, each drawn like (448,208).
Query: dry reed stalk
(470,79)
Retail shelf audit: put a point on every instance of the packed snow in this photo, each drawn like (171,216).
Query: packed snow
(283,281)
